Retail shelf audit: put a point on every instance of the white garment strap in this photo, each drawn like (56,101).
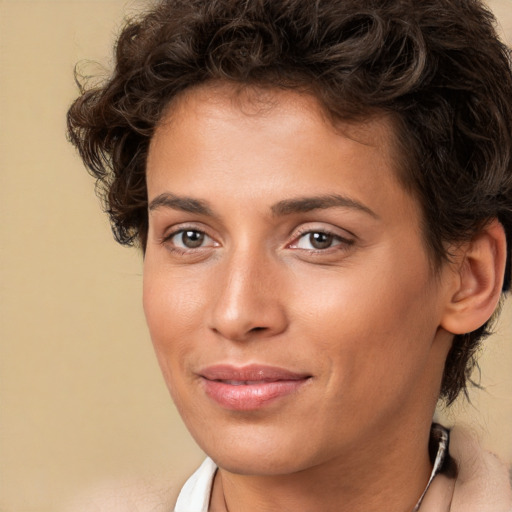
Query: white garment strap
(195,494)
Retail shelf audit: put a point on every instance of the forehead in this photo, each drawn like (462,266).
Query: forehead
(255,102)
(251,132)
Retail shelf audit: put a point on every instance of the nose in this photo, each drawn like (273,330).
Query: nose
(251,301)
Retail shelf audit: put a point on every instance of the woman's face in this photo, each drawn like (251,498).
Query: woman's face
(287,289)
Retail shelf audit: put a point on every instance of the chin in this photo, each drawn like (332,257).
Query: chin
(258,464)
(259,453)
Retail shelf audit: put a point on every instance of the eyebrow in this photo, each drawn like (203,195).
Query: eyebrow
(282,208)
(307,204)
(186,204)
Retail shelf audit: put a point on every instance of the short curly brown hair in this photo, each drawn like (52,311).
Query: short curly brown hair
(436,66)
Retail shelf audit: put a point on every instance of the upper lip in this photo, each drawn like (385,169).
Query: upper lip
(253,372)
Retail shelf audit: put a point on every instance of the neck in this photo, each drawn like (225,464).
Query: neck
(370,479)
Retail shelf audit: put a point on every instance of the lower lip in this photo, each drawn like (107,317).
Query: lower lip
(251,396)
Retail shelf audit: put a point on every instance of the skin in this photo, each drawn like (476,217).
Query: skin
(362,316)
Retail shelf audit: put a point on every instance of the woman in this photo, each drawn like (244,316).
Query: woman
(323,194)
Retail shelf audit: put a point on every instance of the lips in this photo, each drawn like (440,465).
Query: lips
(250,387)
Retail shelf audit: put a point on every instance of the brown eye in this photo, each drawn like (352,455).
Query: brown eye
(317,240)
(321,240)
(189,239)
(192,239)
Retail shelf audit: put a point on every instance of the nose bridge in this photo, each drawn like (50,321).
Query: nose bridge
(249,302)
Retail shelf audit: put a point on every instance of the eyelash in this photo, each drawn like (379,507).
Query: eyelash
(342,242)
(182,230)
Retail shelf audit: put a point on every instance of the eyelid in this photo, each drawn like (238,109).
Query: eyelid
(172,231)
(310,228)
(344,237)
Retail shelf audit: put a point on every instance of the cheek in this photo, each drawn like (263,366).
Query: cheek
(172,300)
(167,316)
(375,325)
(170,312)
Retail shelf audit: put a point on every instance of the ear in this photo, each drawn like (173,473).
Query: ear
(480,267)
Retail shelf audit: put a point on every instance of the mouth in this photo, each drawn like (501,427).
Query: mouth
(250,387)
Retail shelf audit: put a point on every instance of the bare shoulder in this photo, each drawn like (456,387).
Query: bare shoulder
(483,481)
(148,494)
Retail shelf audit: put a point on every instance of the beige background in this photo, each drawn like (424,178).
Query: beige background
(82,402)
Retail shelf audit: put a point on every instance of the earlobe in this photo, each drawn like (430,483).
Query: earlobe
(480,267)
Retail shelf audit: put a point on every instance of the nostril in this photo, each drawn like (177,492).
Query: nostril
(256,329)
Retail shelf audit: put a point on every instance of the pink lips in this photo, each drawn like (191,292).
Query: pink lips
(250,387)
